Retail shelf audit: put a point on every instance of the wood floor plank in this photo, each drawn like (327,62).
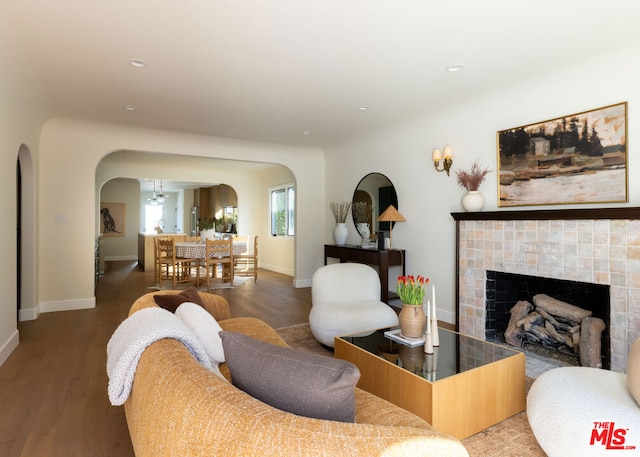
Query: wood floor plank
(53,387)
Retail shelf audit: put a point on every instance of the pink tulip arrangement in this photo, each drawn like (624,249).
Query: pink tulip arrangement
(411,290)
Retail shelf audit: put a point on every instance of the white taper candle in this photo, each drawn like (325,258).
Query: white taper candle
(433,299)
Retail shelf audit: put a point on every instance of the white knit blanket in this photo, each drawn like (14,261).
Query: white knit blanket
(133,336)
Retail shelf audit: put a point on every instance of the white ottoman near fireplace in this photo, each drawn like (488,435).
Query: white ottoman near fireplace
(587,411)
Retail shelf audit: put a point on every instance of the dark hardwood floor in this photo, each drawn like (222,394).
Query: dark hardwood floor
(53,388)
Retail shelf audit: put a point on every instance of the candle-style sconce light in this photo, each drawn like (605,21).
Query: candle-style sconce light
(448,161)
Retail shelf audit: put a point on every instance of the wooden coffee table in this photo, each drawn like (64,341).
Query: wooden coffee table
(466,386)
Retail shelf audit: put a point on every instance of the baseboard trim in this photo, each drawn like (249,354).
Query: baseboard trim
(28,314)
(117,258)
(447,316)
(67,305)
(9,346)
(300,283)
(276,268)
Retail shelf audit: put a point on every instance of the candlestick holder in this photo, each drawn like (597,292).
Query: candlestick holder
(435,336)
(428,343)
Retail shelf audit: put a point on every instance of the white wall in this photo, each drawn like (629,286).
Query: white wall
(122,247)
(23,108)
(66,254)
(427,198)
(275,253)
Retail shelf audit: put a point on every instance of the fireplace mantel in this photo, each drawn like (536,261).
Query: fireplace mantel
(629,213)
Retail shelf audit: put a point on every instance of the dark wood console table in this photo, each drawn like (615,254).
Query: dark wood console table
(383,258)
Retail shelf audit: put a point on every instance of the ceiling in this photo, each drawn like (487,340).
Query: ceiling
(296,71)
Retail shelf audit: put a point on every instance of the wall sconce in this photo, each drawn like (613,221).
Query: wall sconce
(448,161)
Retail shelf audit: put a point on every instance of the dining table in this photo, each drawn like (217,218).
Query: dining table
(197,249)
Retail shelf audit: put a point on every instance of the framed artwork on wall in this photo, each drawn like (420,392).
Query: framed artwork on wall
(579,158)
(112,219)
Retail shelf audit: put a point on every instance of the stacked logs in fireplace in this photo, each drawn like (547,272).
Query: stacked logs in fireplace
(557,325)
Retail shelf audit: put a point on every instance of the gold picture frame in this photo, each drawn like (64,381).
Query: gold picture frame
(574,159)
(112,219)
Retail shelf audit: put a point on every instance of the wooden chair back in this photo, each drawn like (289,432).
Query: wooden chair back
(247,264)
(219,252)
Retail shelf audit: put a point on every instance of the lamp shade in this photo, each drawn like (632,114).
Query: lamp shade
(391,214)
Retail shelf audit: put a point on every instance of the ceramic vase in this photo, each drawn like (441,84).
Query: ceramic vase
(208,233)
(365,233)
(473,201)
(412,321)
(340,233)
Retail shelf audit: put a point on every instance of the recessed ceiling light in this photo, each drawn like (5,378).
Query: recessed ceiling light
(130,107)
(364,107)
(306,132)
(138,63)
(454,68)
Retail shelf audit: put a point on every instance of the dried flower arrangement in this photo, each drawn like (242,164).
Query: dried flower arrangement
(361,212)
(340,211)
(473,178)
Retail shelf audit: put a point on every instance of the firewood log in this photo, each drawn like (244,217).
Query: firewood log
(541,333)
(575,337)
(512,334)
(568,340)
(560,308)
(547,316)
(590,342)
(561,327)
(529,321)
(553,333)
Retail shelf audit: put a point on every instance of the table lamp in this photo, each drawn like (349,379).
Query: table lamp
(391,215)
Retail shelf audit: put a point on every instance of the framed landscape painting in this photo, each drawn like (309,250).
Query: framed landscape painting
(579,158)
(112,219)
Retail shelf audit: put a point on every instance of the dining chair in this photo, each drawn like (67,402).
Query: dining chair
(198,261)
(247,264)
(219,252)
(170,266)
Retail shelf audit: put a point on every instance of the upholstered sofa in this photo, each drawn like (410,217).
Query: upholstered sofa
(178,408)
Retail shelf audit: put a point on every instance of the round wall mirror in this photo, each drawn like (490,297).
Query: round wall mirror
(374,193)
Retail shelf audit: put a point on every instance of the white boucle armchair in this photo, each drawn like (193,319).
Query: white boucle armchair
(345,300)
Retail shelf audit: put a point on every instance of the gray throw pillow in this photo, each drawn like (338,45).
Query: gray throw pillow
(302,383)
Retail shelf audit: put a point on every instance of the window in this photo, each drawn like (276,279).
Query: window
(152,217)
(283,202)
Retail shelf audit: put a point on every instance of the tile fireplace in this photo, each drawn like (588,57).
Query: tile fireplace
(598,246)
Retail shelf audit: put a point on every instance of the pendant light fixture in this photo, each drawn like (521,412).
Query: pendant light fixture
(154,199)
(161,197)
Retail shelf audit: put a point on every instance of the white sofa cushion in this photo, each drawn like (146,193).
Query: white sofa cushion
(205,328)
